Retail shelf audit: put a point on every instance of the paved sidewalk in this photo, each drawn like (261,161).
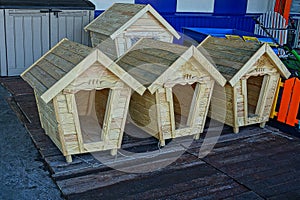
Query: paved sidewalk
(22,172)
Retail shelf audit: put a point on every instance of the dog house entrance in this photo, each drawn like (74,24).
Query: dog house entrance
(254,89)
(91,107)
(183,100)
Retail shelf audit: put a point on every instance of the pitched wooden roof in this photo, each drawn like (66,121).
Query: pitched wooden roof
(151,61)
(120,16)
(234,58)
(65,62)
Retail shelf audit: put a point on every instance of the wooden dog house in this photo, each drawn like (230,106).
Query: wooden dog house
(179,83)
(252,72)
(82,98)
(122,25)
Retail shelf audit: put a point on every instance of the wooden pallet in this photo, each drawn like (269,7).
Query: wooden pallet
(256,163)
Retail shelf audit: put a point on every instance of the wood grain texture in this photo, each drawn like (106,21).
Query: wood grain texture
(120,16)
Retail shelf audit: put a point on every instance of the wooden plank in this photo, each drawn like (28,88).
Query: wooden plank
(235,108)
(245,96)
(35,83)
(75,72)
(45,78)
(208,66)
(282,68)
(72,101)
(231,48)
(51,69)
(23,74)
(60,130)
(230,43)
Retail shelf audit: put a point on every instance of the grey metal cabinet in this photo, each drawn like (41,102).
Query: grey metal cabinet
(27,34)
(69,24)
(27,39)
(3,65)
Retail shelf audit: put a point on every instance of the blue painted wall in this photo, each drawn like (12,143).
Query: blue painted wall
(230,7)
(227,14)
(161,6)
(245,23)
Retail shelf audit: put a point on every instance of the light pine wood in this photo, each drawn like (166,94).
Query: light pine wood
(68,70)
(181,69)
(127,15)
(130,22)
(250,101)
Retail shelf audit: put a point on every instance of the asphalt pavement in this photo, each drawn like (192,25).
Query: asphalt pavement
(22,173)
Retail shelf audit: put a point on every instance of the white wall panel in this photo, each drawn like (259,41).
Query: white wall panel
(195,6)
(260,6)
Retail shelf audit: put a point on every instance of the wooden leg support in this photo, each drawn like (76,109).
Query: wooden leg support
(69,158)
(236,129)
(262,125)
(197,137)
(113,152)
(162,143)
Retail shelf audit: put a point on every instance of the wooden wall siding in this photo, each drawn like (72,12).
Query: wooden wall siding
(115,122)
(48,120)
(96,77)
(236,114)
(160,122)
(165,115)
(148,26)
(274,81)
(65,118)
(145,27)
(239,100)
(142,110)
(122,25)
(248,99)
(222,102)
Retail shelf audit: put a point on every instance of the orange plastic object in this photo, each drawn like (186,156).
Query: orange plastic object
(294,105)
(289,104)
(285,100)
(283,7)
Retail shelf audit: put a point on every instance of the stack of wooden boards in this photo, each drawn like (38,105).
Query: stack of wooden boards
(85,95)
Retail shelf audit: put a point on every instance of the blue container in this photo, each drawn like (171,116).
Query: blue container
(199,34)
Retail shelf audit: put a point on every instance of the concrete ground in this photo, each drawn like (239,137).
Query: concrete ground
(22,172)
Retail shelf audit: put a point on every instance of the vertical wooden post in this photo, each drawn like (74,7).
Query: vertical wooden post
(68,158)
(235,110)
(245,96)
